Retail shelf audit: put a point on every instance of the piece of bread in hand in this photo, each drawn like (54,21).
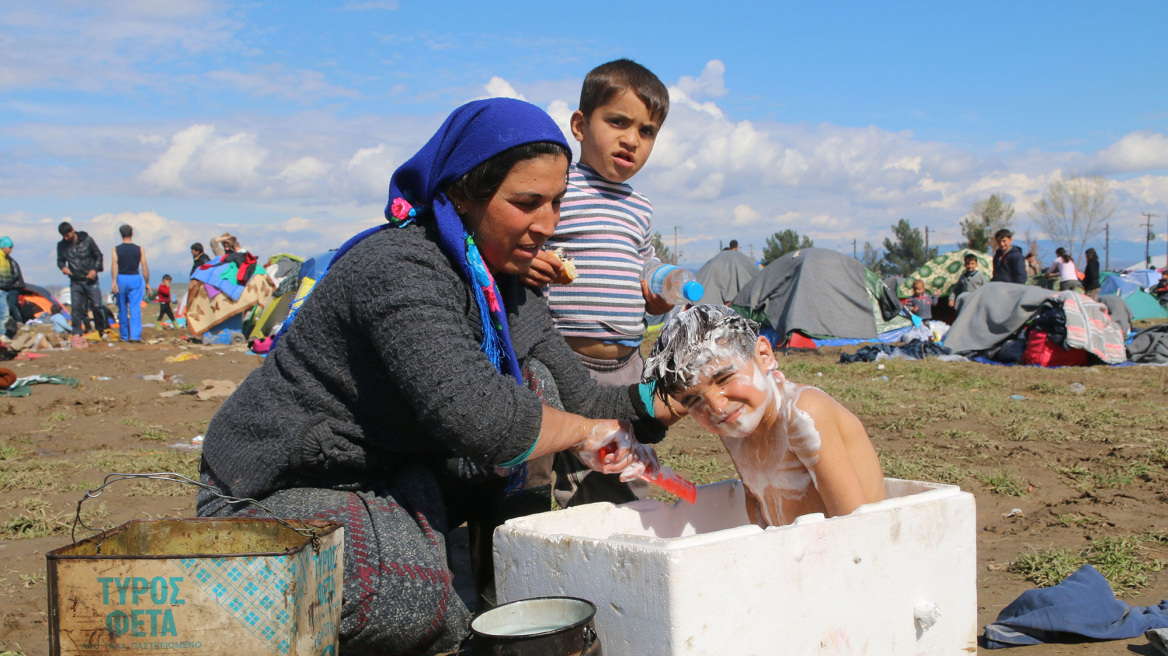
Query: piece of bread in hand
(567,272)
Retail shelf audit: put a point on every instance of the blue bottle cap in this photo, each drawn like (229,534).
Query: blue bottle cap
(693,291)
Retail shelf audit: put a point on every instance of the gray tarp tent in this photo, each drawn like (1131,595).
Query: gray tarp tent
(991,313)
(724,275)
(814,290)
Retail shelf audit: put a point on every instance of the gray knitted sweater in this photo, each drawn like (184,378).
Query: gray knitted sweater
(382,367)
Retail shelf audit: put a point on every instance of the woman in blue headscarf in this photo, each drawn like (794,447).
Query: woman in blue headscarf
(417,369)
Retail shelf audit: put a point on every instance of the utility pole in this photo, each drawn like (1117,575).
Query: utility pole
(1148,238)
(676,253)
(752,251)
(854,249)
(926,239)
(1107,247)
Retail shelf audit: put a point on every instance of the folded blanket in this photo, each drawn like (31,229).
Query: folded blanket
(1082,606)
(1089,327)
(21,386)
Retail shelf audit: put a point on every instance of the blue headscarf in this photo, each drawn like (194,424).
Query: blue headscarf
(471,135)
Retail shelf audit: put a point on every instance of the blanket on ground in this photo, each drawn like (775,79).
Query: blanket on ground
(1150,345)
(991,314)
(1082,606)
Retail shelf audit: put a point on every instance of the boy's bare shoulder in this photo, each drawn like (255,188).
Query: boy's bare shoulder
(816,402)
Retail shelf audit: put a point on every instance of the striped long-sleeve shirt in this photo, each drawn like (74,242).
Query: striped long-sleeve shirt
(605,227)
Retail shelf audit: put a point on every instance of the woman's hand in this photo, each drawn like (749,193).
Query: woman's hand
(544,268)
(607,448)
(644,462)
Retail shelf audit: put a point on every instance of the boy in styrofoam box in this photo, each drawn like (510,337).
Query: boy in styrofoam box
(796,449)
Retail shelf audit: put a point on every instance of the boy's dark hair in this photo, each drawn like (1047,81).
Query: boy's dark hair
(167,277)
(686,341)
(970,257)
(607,80)
(481,182)
(126,231)
(65,228)
(197,247)
(1003,233)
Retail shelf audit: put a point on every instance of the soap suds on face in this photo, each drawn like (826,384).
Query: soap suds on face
(773,463)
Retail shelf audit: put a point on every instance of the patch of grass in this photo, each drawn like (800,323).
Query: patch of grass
(699,470)
(34,518)
(1004,482)
(8,452)
(154,433)
(1123,561)
(32,580)
(142,462)
(1075,519)
(903,423)
(18,473)
(1108,477)
(154,488)
(921,468)
(130,421)
(1032,429)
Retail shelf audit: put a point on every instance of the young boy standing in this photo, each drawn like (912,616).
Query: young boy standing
(796,449)
(605,228)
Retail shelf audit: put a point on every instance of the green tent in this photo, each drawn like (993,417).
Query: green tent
(940,273)
(1142,304)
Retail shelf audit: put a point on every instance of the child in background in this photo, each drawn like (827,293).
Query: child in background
(920,303)
(970,280)
(1160,289)
(164,308)
(606,228)
(796,449)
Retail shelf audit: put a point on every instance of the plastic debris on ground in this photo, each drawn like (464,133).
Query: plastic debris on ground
(215,389)
(1014,512)
(196,444)
(183,357)
(162,377)
(1077,388)
(1017,397)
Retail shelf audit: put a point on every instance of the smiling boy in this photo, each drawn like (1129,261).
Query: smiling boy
(606,229)
(796,449)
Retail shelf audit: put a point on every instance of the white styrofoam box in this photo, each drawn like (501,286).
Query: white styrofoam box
(894,578)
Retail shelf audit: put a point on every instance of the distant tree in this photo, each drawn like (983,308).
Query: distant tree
(664,253)
(985,217)
(781,243)
(1074,210)
(872,259)
(907,253)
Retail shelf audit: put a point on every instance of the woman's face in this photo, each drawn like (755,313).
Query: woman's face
(512,225)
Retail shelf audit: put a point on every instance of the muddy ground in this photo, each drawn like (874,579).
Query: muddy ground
(1061,476)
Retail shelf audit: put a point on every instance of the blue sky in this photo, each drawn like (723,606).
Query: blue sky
(282,122)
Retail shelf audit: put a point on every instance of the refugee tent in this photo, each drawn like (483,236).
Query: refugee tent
(1146,277)
(219,291)
(818,291)
(724,275)
(1142,304)
(41,298)
(942,272)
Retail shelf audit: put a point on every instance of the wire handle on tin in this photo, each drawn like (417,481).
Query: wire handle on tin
(179,478)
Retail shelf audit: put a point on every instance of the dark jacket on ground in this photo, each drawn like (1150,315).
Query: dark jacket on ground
(1010,266)
(1091,275)
(14,279)
(382,368)
(81,256)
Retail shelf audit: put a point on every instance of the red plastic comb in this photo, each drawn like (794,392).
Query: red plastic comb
(671,482)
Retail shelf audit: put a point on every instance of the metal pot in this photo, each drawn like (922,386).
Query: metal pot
(544,626)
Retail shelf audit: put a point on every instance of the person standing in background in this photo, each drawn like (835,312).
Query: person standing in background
(1091,282)
(79,258)
(164,309)
(1033,266)
(129,285)
(1009,262)
(200,258)
(11,282)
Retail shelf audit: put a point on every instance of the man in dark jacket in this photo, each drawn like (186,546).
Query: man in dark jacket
(79,258)
(200,258)
(1009,261)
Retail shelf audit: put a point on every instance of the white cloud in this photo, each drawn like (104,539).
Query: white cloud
(1138,151)
(198,158)
(709,83)
(745,215)
(497,87)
